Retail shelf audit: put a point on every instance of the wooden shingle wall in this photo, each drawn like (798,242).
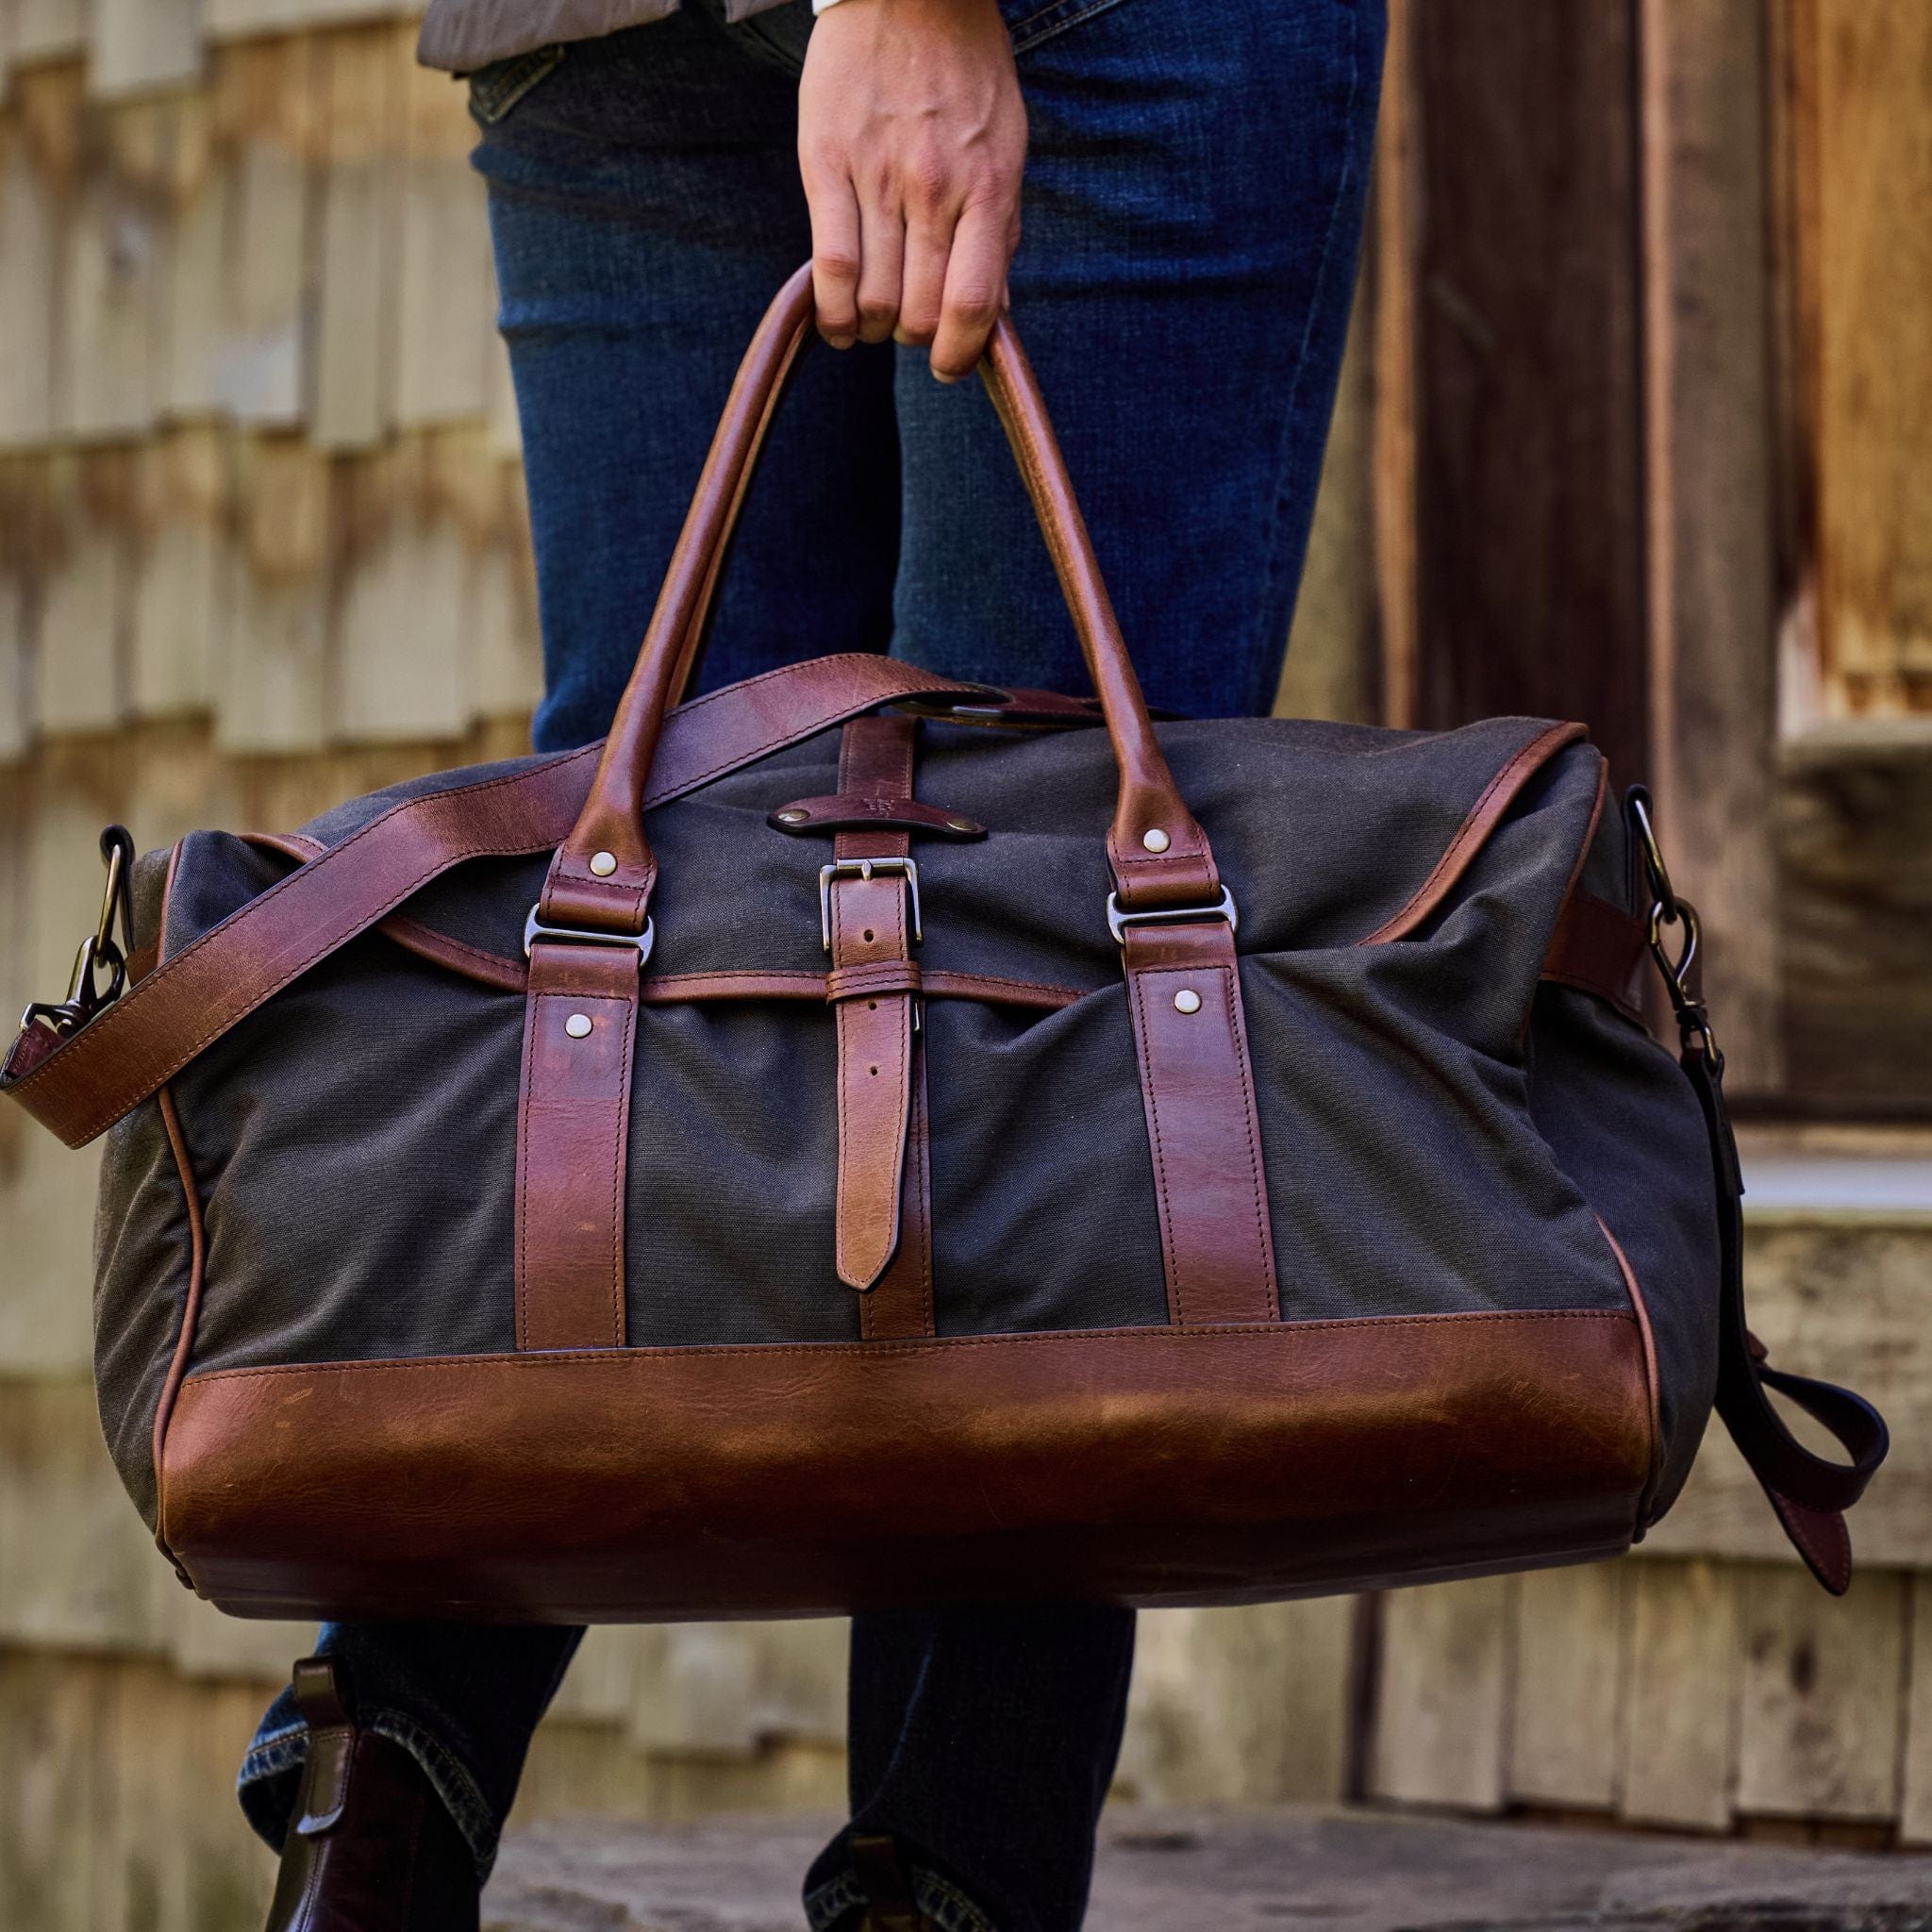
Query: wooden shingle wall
(255,430)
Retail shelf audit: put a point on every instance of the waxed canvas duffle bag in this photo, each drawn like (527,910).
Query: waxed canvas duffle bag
(857,1139)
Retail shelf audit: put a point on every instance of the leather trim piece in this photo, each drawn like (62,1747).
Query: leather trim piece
(573,1142)
(810,818)
(1216,1237)
(1484,816)
(1641,1309)
(190,1308)
(1598,947)
(1150,1465)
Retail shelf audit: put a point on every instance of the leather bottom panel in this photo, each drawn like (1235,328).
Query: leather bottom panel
(1148,1466)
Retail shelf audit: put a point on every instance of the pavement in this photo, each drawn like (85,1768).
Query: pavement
(1241,1871)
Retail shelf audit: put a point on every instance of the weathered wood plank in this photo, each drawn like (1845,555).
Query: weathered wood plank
(190,331)
(1855,841)
(40,165)
(112,277)
(1678,1715)
(264,106)
(240,19)
(601,1684)
(1443,1695)
(1915,1809)
(22,502)
(415,518)
(1331,669)
(46,1797)
(1819,1717)
(273,664)
(48,30)
(77,1568)
(363,82)
(140,45)
(1530,525)
(47,1193)
(727,1690)
(1570,1680)
(1244,1705)
(1392,259)
(1870,258)
(446,310)
(505,641)
(1710,488)
(181,574)
(87,593)
(1844,1298)
(204,1644)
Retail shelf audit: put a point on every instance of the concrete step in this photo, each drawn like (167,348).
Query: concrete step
(1248,1871)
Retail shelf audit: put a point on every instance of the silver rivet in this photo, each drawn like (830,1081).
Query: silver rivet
(602,863)
(1187,1000)
(1155,841)
(578,1024)
(792,816)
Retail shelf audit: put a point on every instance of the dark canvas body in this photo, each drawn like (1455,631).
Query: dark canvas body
(1445,1133)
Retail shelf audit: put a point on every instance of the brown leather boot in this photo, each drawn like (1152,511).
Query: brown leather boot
(370,1847)
(887,1884)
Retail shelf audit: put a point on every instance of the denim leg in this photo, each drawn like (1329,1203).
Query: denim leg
(461,1699)
(645,205)
(984,1741)
(1191,222)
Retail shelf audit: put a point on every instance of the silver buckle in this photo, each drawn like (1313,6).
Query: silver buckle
(534,929)
(865,869)
(1118,922)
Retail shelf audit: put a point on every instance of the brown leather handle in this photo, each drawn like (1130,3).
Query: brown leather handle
(602,876)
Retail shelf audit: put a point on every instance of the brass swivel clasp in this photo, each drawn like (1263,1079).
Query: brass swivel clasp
(1681,970)
(100,967)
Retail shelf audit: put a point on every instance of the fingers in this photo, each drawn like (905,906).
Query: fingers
(882,242)
(928,238)
(975,283)
(834,257)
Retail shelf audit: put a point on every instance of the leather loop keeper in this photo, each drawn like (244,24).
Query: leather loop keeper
(572,1143)
(1210,1185)
(857,982)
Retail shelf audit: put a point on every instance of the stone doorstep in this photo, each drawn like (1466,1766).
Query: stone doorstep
(1246,1871)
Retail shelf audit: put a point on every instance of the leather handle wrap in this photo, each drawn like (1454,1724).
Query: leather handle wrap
(615,898)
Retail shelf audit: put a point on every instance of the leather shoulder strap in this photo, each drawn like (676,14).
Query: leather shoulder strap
(80,1087)
(1810,1493)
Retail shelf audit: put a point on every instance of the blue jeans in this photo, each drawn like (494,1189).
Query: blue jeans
(1193,214)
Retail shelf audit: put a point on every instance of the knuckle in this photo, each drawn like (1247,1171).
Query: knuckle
(974,306)
(927,183)
(835,264)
